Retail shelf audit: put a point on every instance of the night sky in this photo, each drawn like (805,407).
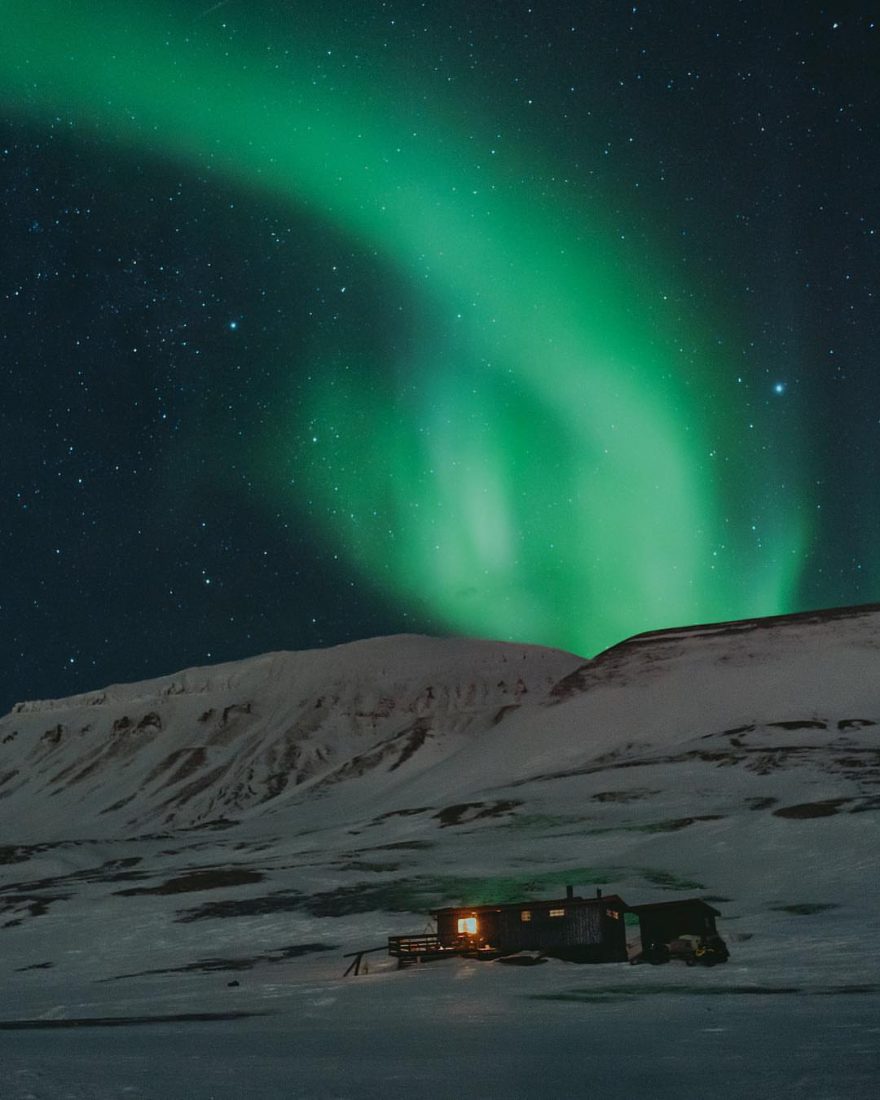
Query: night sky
(551,322)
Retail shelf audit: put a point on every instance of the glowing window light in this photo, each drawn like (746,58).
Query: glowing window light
(557,912)
(467,926)
(525,914)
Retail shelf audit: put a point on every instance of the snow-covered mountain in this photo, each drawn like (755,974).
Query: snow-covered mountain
(211,742)
(253,821)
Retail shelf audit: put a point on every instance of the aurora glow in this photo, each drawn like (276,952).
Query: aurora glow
(538,465)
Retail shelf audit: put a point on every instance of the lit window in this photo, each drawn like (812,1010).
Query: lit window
(525,914)
(467,926)
(557,912)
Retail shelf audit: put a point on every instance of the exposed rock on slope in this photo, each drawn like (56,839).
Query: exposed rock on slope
(212,742)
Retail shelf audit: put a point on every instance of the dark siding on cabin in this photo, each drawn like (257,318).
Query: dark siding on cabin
(447,927)
(580,926)
(585,930)
(615,938)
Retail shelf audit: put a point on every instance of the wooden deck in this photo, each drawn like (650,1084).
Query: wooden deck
(422,947)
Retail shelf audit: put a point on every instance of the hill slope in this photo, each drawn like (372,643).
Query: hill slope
(252,821)
(212,742)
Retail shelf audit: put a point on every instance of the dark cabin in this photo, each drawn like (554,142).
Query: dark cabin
(661,922)
(575,928)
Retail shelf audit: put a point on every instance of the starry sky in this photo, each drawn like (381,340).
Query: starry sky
(550,322)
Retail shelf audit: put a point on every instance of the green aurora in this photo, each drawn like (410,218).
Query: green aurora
(538,463)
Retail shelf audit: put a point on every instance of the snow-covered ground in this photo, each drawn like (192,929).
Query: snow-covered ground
(186,862)
(472,1029)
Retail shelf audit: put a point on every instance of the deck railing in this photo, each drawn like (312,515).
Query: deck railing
(415,946)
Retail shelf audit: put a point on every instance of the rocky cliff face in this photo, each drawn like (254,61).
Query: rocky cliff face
(213,742)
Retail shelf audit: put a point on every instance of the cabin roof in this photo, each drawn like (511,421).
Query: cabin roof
(613,900)
(683,903)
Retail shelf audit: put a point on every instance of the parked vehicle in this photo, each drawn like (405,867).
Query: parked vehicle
(690,949)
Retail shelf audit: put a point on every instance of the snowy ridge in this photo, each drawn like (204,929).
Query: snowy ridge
(213,741)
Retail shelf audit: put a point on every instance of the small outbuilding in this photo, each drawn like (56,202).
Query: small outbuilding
(661,922)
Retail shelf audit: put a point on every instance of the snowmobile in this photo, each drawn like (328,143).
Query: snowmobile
(708,951)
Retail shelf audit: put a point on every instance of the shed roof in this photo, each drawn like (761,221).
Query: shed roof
(614,900)
(682,903)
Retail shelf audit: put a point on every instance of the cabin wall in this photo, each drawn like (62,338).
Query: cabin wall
(447,927)
(487,926)
(589,932)
(615,936)
(579,926)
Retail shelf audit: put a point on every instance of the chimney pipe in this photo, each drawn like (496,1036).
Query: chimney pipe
(598,892)
(569,891)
